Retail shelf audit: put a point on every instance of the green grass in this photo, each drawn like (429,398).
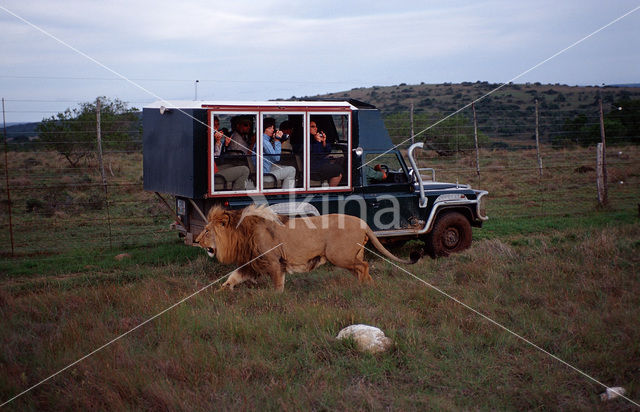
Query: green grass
(573,292)
(505,228)
(259,349)
(565,279)
(89,260)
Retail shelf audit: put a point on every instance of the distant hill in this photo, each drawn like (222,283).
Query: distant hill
(507,113)
(448,97)
(27,132)
(22,132)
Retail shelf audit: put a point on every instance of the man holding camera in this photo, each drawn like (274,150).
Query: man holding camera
(271,150)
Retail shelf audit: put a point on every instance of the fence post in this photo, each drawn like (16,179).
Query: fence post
(600,184)
(603,200)
(99,138)
(411,120)
(101,164)
(6,176)
(475,136)
(538,140)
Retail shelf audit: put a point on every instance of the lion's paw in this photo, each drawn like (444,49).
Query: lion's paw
(225,286)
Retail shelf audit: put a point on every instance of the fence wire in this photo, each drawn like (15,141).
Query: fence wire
(58,208)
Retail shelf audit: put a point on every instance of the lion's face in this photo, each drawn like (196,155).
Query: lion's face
(218,222)
(207,240)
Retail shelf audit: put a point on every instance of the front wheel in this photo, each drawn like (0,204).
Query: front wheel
(451,234)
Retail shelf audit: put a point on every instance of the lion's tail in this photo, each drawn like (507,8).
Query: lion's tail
(413,258)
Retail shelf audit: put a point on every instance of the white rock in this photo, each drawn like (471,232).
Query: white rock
(368,338)
(612,393)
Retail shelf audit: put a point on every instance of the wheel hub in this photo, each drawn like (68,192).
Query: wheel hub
(451,238)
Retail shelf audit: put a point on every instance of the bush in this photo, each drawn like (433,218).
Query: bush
(34,204)
(72,133)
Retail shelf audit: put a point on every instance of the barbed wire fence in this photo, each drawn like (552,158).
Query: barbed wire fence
(51,210)
(533,164)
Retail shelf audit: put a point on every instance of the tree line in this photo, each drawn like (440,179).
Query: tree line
(72,133)
(621,123)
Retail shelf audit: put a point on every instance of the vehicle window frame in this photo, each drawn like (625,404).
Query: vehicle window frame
(348,156)
(259,113)
(210,145)
(399,159)
(259,150)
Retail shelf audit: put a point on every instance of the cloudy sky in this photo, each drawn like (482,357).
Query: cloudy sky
(57,54)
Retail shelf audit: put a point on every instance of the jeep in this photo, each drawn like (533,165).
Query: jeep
(232,154)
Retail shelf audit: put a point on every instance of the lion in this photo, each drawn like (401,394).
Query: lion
(266,243)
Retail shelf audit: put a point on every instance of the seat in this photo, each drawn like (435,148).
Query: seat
(317,183)
(286,146)
(269,181)
(298,161)
(219,183)
(287,158)
(233,158)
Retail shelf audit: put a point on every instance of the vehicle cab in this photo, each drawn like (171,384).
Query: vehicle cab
(302,158)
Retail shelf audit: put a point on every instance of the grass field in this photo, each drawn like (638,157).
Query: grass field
(549,265)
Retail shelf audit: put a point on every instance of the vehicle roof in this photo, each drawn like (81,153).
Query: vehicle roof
(198,104)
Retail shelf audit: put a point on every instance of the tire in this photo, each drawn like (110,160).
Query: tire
(450,234)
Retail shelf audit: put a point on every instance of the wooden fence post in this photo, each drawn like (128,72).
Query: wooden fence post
(475,136)
(411,120)
(600,178)
(603,200)
(538,141)
(101,163)
(99,138)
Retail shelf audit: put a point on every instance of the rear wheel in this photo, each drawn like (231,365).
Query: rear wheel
(451,234)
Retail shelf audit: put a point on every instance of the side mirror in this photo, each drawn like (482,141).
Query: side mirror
(358,151)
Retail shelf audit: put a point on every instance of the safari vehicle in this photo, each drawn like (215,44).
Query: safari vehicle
(399,201)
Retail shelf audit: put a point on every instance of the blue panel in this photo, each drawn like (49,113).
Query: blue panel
(175,152)
(371,133)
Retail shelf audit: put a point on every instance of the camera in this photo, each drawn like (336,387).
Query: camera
(284,137)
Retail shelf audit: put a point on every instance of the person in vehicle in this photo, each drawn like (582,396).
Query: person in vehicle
(239,140)
(295,139)
(287,129)
(271,150)
(218,137)
(375,174)
(322,168)
(237,175)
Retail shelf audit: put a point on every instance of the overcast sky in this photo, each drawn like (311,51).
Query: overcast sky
(254,50)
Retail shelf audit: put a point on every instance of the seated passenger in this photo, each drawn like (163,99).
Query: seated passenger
(237,175)
(287,129)
(271,150)
(322,168)
(295,139)
(219,140)
(240,140)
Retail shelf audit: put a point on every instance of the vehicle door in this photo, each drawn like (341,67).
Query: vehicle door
(390,201)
